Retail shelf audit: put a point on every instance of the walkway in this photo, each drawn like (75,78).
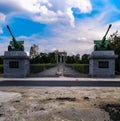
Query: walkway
(59,70)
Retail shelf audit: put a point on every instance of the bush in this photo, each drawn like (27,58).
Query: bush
(36,68)
(82,68)
(1,68)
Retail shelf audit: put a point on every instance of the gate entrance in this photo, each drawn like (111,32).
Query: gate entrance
(60,60)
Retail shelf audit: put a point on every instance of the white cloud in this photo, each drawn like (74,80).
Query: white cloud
(2,20)
(84,5)
(49,11)
(4,41)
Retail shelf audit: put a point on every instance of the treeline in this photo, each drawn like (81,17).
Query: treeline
(37,57)
(50,58)
(43,58)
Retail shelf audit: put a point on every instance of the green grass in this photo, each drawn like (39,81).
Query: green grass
(36,68)
(82,68)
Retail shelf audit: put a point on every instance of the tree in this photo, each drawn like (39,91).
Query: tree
(77,59)
(73,59)
(115,45)
(85,58)
(34,51)
(51,57)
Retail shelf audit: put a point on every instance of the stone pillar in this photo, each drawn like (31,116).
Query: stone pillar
(56,56)
(60,58)
(64,59)
(102,64)
(16,64)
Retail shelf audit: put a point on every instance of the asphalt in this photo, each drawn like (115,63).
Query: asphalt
(61,82)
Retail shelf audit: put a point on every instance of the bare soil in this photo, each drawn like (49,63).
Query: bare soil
(62,104)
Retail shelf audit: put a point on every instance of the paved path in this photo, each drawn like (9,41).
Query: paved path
(59,70)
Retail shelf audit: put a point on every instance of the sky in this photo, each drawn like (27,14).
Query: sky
(64,25)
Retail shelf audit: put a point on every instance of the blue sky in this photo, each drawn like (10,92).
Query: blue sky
(66,25)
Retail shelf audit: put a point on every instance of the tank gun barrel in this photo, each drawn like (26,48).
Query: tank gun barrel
(13,38)
(104,38)
(107,32)
(10,31)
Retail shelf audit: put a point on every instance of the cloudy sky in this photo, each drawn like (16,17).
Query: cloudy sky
(66,25)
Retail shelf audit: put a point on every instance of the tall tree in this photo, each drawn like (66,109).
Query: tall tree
(34,51)
(115,45)
(85,58)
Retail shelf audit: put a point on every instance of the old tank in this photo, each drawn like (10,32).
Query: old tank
(14,44)
(102,44)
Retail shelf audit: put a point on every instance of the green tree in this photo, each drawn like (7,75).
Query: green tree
(115,45)
(1,60)
(85,58)
(73,59)
(51,57)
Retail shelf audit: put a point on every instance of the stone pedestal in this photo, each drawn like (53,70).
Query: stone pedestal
(102,64)
(16,64)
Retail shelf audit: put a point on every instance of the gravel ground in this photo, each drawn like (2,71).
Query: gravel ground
(60,104)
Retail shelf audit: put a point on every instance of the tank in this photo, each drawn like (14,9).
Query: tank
(102,44)
(14,44)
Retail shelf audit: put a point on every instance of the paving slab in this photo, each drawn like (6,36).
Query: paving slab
(2,118)
(9,96)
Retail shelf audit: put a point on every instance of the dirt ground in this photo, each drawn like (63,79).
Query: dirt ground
(62,104)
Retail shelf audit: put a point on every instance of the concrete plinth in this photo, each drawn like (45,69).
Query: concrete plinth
(102,64)
(16,64)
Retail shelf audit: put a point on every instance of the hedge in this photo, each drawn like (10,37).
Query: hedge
(1,68)
(82,68)
(36,68)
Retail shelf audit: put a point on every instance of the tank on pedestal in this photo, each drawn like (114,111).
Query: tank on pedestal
(16,61)
(102,59)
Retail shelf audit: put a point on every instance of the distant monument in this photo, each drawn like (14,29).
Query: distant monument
(102,59)
(60,58)
(16,61)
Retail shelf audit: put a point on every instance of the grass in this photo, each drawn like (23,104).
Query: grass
(82,68)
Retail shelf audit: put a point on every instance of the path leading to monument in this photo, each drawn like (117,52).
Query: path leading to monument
(59,70)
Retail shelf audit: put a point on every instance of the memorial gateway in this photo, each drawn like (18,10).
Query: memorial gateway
(101,60)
